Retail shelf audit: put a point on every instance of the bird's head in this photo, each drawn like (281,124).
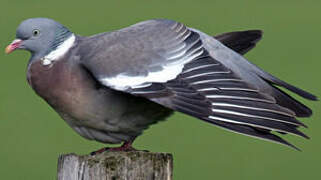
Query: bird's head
(39,36)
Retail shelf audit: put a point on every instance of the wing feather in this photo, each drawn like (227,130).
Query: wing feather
(220,102)
(176,70)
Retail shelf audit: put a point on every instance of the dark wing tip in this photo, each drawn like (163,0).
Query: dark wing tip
(292,146)
(300,92)
(247,130)
(240,41)
(312,97)
(303,135)
(275,81)
(255,35)
(285,100)
(256,32)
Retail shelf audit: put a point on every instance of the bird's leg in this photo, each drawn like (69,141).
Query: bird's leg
(127,146)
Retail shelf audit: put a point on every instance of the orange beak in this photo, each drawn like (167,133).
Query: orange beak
(13,46)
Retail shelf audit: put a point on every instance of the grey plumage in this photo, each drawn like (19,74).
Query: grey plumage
(142,48)
(111,86)
(50,34)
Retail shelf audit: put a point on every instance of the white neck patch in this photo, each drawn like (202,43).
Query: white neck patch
(61,50)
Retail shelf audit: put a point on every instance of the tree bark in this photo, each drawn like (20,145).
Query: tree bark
(133,165)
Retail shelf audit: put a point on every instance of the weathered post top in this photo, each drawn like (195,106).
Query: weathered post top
(133,165)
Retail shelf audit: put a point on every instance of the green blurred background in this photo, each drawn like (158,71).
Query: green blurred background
(32,135)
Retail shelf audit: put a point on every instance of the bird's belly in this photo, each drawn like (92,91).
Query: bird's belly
(68,90)
(101,114)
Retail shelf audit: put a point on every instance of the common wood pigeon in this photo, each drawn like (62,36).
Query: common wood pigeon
(111,86)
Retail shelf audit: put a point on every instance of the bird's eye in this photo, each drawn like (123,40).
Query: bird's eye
(35,32)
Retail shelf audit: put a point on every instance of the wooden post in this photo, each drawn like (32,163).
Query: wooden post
(133,165)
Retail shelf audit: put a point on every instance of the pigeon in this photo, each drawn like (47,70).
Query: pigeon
(111,86)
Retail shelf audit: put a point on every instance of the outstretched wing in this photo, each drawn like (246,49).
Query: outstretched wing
(178,68)
(208,90)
